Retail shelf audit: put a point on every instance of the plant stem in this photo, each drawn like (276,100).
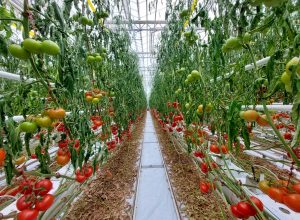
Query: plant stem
(11,19)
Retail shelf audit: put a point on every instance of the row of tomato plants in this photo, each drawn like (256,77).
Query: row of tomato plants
(201,78)
(285,191)
(96,97)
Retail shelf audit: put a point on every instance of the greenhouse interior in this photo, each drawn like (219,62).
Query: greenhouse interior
(150,109)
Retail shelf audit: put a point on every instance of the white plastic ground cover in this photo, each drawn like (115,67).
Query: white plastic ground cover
(273,208)
(154,199)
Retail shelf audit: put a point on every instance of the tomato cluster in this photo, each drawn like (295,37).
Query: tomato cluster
(217,150)
(283,192)
(81,175)
(94,96)
(31,46)
(35,198)
(246,209)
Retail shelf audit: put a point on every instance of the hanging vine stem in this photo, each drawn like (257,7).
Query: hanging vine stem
(252,56)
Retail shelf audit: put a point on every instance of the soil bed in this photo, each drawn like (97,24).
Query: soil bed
(107,196)
(185,180)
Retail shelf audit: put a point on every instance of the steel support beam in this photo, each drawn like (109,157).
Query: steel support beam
(137,22)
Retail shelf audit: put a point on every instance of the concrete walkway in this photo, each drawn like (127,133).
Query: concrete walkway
(154,199)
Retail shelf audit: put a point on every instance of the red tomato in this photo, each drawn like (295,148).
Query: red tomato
(42,187)
(214,148)
(26,186)
(291,127)
(45,202)
(296,187)
(276,194)
(88,93)
(63,152)
(236,212)
(257,203)
(214,165)
(178,129)
(204,187)
(287,136)
(199,154)
(2,154)
(28,214)
(12,191)
(63,143)
(25,202)
(80,177)
(292,201)
(280,126)
(224,149)
(204,167)
(33,156)
(76,143)
(62,160)
(246,209)
(296,151)
(88,171)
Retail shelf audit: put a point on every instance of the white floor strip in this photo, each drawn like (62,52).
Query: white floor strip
(154,199)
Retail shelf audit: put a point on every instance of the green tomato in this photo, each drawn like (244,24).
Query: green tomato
(84,20)
(95,100)
(292,64)
(195,74)
(187,34)
(288,87)
(90,59)
(104,14)
(32,46)
(49,47)
(28,127)
(233,43)
(43,122)
(98,58)
(18,51)
(75,17)
(187,105)
(208,107)
(178,91)
(190,78)
(103,50)
(285,78)
(90,22)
